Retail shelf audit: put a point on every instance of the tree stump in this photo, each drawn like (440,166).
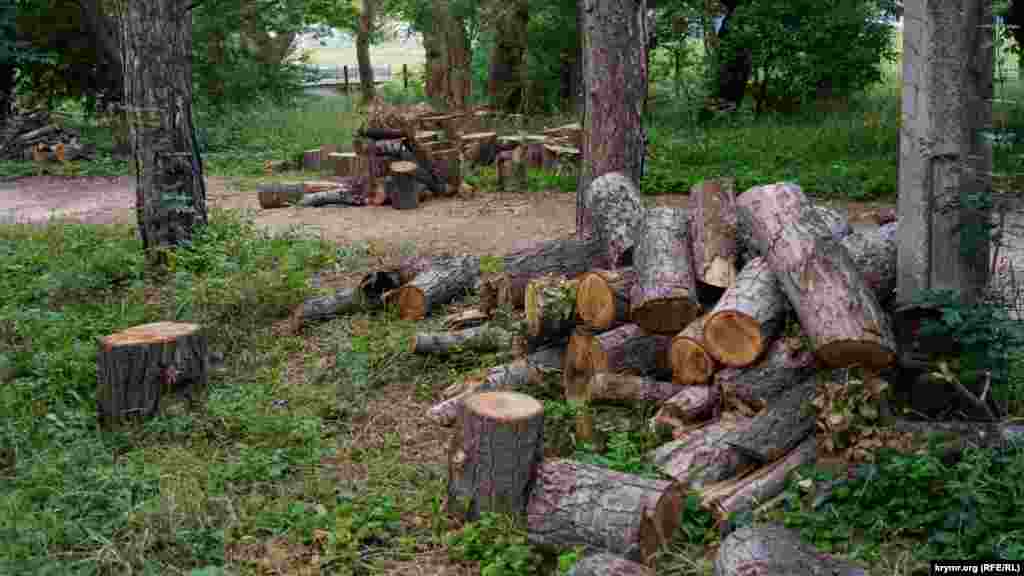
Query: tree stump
(406,193)
(311,159)
(347,164)
(602,298)
(135,367)
(713,232)
(579,504)
(614,207)
(448,164)
(604,564)
(494,454)
(747,317)
(691,361)
(664,297)
(279,194)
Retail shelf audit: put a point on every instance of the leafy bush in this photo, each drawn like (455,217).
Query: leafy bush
(497,543)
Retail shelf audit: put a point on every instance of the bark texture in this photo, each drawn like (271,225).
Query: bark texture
(664,297)
(625,387)
(690,405)
(567,257)
(780,427)
(628,349)
(771,549)
(367,20)
(754,387)
(713,231)
(703,456)
(439,285)
(750,313)
(505,84)
(479,339)
(604,564)
(349,192)
(765,483)
(875,254)
(279,194)
(615,211)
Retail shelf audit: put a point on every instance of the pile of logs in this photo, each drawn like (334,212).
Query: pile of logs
(34,136)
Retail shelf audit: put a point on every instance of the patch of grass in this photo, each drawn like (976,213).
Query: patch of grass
(497,543)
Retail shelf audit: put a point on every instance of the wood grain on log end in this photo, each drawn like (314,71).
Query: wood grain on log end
(737,337)
(411,303)
(602,298)
(504,406)
(691,362)
(666,314)
(146,334)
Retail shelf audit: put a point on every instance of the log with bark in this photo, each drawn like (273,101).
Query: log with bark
(629,349)
(479,339)
(479,147)
(749,314)
(343,301)
(759,486)
(752,388)
(703,456)
(837,310)
(279,194)
(517,375)
(575,504)
(610,387)
(691,361)
(874,253)
(604,564)
(664,297)
(137,366)
(614,207)
(346,192)
(439,285)
(713,231)
(550,304)
(771,549)
(494,455)
(692,404)
(602,298)
(748,248)
(780,427)
(405,194)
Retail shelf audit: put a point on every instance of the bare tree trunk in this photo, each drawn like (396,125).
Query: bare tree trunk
(6,93)
(366,20)
(944,159)
(434,48)
(170,191)
(733,63)
(460,75)
(506,79)
(103,29)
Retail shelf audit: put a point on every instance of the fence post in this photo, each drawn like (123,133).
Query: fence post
(346,78)
(405,76)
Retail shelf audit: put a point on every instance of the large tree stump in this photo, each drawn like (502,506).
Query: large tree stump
(348,164)
(874,253)
(613,203)
(311,159)
(602,298)
(279,194)
(439,285)
(550,310)
(604,564)
(494,455)
(406,195)
(136,366)
(770,550)
(609,387)
(747,317)
(664,297)
(579,504)
(713,231)
(836,308)
(691,361)
(478,339)
(753,388)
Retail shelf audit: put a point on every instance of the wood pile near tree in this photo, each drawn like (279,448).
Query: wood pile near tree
(36,136)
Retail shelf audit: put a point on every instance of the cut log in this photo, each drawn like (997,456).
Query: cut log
(874,253)
(629,349)
(751,389)
(347,193)
(713,231)
(279,194)
(550,310)
(439,285)
(574,504)
(749,314)
(494,454)
(772,549)
(465,319)
(311,159)
(344,301)
(604,564)
(664,297)
(761,485)
(780,427)
(378,194)
(136,366)
(614,207)
(691,362)
(479,339)
(836,308)
(691,404)
(576,364)
(348,164)
(517,375)
(610,387)
(447,163)
(479,147)
(838,226)
(567,257)
(406,193)
(703,456)
(602,298)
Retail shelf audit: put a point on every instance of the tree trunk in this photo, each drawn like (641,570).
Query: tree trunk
(170,191)
(405,190)
(610,387)
(754,387)
(614,212)
(439,285)
(506,80)
(703,456)
(874,253)
(550,310)
(435,49)
(6,93)
(780,427)
(348,193)
(691,362)
(604,564)
(615,76)
(664,297)
(344,301)
(746,318)
(107,34)
(762,485)
(367,19)
(479,339)
(279,194)
(691,404)
(628,349)
(494,455)
(837,310)
(602,298)
(734,63)
(579,504)
(713,231)
(768,549)
(945,160)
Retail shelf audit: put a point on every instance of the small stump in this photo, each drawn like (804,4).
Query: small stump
(135,367)
(494,455)
(406,193)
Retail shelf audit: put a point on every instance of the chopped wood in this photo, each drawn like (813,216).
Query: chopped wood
(576,365)
(465,319)
(550,310)
(279,194)
(691,362)
(780,427)
(479,339)
(479,147)
(837,224)
(713,231)
(406,194)
(629,349)
(692,404)
(348,192)
(381,133)
(760,486)
(837,310)
(703,455)
(607,386)
(439,285)
(613,211)
(874,253)
(664,297)
(495,454)
(772,549)
(343,301)
(137,366)
(602,298)
(579,504)
(749,314)
(567,257)
(604,564)
(752,388)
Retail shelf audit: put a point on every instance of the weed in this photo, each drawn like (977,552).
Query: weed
(498,543)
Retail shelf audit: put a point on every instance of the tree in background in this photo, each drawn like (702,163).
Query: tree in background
(367,25)
(506,81)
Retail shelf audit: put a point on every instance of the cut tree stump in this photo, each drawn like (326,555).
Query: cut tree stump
(349,192)
(752,388)
(713,231)
(874,253)
(449,168)
(761,485)
(771,550)
(702,456)
(311,159)
(749,314)
(494,455)
(837,310)
(406,193)
(664,297)
(610,387)
(550,304)
(136,366)
(575,504)
(279,194)
(479,339)
(614,207)
(439,285)
(604,564)
(691,361)
(516,375)
(602,298)
(348,164)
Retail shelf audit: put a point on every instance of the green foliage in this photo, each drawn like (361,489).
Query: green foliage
(566,560)
(497,543)
(369,521)
(626,452)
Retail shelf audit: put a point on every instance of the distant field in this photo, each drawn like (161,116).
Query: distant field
(392,54)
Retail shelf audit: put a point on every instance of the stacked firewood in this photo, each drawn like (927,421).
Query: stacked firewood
(34,136)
